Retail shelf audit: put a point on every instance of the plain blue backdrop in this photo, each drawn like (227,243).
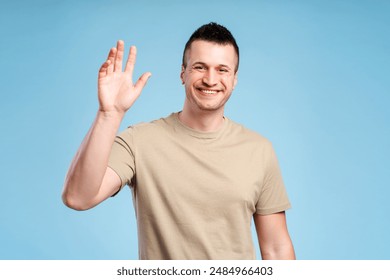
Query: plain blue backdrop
(313,78)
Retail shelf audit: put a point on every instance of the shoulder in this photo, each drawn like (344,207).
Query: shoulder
(243,133)
(148,129)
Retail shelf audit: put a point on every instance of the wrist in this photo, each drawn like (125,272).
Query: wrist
(110,117)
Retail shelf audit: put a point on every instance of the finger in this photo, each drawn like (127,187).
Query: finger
(119,56)
(131,60)
(139,85)
(111,58)
(103,69)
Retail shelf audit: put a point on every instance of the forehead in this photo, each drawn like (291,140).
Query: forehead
(211,53)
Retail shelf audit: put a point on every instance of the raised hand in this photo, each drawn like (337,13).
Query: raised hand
(116,90)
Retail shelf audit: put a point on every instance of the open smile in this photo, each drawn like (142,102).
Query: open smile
(208,91)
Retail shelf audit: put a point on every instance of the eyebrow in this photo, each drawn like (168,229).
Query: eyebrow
(205,64)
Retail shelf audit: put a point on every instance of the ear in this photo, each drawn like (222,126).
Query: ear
(235,79)
(182,74)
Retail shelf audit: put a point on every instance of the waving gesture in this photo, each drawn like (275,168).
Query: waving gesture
(116,89)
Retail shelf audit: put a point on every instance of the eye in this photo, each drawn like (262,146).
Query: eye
(199,67)
(223,70)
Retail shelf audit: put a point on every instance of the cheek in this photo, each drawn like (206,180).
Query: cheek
(193,78)
(228,81)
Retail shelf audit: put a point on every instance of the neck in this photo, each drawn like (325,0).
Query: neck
(205,121)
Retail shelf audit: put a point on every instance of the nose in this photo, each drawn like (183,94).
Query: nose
(210,78)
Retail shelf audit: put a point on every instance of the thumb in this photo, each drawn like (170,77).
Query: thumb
(139,85)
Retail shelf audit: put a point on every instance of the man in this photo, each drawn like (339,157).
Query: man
(197,177)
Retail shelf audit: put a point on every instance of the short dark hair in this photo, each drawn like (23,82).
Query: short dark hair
(215,33)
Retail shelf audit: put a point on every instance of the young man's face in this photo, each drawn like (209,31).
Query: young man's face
(209,76)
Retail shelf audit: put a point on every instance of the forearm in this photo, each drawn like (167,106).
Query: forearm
(89,165)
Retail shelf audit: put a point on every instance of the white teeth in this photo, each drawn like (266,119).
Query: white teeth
(209,91)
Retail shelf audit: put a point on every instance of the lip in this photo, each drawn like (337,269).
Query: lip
(208,92)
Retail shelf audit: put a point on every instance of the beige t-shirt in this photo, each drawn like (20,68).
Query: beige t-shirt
(194,192)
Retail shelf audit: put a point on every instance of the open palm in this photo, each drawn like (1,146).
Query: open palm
(116,90)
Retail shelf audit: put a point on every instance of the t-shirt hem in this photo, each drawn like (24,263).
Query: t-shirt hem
(121,178)
(273,210)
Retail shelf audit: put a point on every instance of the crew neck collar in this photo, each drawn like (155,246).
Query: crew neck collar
(198,133)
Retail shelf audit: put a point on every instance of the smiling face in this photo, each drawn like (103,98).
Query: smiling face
(209,76)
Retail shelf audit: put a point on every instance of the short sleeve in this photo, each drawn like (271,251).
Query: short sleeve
(273,196)
(121,158)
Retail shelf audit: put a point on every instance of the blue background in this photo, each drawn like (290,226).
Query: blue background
(314,79)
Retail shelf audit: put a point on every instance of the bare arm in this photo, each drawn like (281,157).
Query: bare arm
(89,181)
(274,239)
